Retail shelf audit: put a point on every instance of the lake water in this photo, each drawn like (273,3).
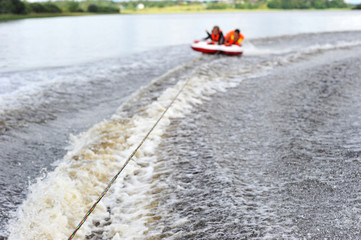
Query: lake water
(39,43)
(265,146)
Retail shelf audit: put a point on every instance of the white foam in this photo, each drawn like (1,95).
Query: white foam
(252,50)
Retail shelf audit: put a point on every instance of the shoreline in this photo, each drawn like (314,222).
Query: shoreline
(10,17)
(166,10)
(201,9)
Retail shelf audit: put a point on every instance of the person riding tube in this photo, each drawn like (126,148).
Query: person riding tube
(234,37)
(216,35)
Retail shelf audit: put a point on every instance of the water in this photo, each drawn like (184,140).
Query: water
(265,146)
(275,158)
(39,43)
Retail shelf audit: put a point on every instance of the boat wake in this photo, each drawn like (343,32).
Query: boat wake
(57,203)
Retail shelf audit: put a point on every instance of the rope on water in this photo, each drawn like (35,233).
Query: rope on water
(125,164)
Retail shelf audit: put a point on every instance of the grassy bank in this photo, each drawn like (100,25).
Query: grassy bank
(197,8)
(202,9)
(8,17)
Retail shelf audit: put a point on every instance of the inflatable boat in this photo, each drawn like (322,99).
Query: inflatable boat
(210,47)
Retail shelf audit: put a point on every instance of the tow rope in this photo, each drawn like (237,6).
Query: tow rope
(125,164)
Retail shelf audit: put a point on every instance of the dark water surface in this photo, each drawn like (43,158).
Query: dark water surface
(264,146)
(277,157)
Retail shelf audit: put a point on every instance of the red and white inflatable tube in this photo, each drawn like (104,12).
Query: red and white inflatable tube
(205,47)
(210,47)
(231,49)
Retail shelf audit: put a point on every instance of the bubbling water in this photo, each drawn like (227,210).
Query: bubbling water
(153,196)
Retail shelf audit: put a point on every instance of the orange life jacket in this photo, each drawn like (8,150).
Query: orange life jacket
(230,37)
(216,37)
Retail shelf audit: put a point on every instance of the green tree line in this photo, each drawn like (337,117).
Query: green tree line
(306,4)
(358,7)
(245,4)
(99,6)
(23,7)
(148,4)
(280,4)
